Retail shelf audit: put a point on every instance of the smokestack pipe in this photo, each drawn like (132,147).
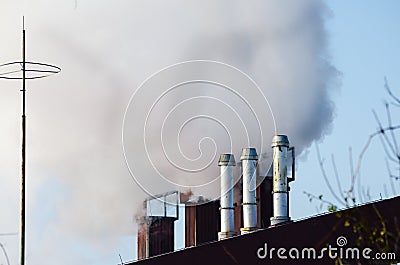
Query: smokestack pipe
(227,163)
(280,145)
(249,159)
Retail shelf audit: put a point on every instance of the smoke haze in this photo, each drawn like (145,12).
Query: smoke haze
(81,197)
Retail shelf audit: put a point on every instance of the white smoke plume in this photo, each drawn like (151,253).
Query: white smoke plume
(81,197)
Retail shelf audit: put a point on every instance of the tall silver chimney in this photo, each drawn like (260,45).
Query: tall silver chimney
(249,159)
(280,145)
(227,164)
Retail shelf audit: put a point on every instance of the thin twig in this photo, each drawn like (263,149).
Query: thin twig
(390,177)
(382,131)
(319,198)
(385,148)
(389,117)
(360,199)
(321,164)
(385,191)
(395,98)
(353,176)
(361,155)
(336,173)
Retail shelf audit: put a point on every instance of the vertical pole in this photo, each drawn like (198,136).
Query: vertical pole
(23,150)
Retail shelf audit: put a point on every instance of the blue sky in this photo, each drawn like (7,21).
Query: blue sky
(91,216)
(363,41)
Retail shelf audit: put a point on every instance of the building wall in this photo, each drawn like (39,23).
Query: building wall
(315,232)
(264,198)
(202,223)
(155,236)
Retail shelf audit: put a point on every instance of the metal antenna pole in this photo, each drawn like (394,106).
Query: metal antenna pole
(23,149)
(37,71)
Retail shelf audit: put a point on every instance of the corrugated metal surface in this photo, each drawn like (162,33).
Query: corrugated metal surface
(190,226)
(207,222)
(265,211)
(156,234)
(314,232)
(202,223)
(208,215)
(161,235)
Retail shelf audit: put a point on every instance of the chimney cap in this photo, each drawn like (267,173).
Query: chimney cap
(226,160)
(280,140)
(249,154)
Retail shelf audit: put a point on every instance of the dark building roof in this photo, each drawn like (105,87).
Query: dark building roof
(375,225)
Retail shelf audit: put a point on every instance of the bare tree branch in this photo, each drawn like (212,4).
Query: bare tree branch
(319,198)
(336,173)
(389,117)
(389,142)
(321,164)
(395,98)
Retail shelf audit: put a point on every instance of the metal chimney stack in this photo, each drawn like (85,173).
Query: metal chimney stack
(227,164)
(249,159)
(280,145)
